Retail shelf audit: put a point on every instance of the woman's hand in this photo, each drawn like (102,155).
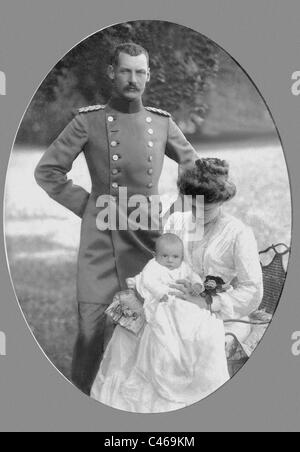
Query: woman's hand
(184,291)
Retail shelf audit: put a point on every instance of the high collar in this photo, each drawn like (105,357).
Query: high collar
(125,106)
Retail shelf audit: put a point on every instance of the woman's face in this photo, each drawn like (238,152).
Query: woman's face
(208,211)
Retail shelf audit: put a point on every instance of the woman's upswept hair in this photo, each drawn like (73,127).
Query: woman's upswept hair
(209,178)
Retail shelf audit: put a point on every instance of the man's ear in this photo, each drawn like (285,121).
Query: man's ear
(148,75)
(111,72)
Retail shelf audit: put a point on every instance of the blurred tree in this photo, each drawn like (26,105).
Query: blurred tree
(182,63)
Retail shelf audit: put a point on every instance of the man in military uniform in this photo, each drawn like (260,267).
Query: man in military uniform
(124,144)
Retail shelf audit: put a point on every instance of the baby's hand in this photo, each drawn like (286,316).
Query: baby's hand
(196,290)
(164,299)
(130,283)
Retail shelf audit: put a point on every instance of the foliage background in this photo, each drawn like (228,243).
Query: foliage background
(192,78)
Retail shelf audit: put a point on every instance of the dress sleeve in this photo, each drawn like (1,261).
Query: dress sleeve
(245,297)
(51,171)
(179,148)
(196,279)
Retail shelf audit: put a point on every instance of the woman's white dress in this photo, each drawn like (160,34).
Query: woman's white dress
(229,250)
(172,364)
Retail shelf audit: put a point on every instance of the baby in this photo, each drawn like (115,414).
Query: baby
(180,354)
(165,269)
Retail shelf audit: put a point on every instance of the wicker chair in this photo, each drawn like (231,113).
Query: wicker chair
(274,275)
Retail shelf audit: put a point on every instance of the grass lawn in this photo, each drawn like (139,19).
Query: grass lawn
(42,237)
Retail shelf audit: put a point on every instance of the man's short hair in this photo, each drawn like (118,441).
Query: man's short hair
(130,48)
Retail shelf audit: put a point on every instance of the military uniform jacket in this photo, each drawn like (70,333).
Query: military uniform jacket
(121,150)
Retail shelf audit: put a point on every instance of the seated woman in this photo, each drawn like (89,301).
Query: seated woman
(135,369)
(227,249)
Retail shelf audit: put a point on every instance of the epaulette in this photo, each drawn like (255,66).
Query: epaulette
(91,108)
(159,111)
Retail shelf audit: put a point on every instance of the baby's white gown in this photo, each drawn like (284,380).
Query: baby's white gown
(177,359)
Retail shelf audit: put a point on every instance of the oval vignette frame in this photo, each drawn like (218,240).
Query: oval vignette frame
(13,151)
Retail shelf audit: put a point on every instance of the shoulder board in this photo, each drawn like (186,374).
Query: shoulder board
(159,112)
(91,108)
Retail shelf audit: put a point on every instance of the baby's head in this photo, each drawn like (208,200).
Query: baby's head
(169,251)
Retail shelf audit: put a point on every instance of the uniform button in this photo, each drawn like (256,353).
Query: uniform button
(149,119)
(110,119)
(115,185)
(150,185)
(150,144)
(150,171)
(114,144)
(150,158)
(115,172)
(151,131)
(115,158)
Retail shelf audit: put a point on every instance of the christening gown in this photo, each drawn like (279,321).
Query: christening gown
(179,357)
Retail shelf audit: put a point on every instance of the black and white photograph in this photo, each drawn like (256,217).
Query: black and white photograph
(143,132)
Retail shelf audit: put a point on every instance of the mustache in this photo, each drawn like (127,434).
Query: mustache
(131,86)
